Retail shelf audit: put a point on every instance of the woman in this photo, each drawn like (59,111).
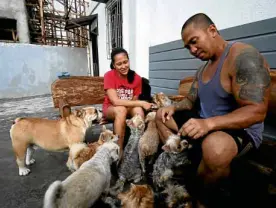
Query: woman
(122,87)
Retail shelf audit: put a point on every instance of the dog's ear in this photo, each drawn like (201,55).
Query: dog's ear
(115,138)
(103,128)
(141,125)
(147,119)
(79,112)
(132,185)
(166,148)
(129,122)
(102,137)
(184,145)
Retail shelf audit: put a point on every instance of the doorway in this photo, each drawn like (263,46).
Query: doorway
(95,52)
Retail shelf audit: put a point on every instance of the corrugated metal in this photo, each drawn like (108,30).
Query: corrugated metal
(170,62)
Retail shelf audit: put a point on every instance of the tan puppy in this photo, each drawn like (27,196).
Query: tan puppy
(52,135)
(79,153)
(174,144)
(161,100)
(148,143)
(139,196)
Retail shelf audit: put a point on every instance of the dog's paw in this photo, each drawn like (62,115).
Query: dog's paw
(30,162)
(24,171)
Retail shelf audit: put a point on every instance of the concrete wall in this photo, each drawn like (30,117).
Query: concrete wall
(15,9)
(27,70)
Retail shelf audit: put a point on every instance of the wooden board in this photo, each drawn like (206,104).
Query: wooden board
(78,90)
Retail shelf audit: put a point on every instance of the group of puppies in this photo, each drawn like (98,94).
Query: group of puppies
(91,163)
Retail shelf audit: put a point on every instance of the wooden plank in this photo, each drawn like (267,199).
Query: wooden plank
(271,58)
(78,90)
(182,53)
(166,46)
(168,83)
(251,29)
(188,64)
(171,74)
(262,43)
(164,90)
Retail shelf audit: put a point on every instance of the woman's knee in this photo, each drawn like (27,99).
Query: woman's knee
(120,112)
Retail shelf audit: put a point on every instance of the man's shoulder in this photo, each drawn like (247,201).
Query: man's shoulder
(241,48)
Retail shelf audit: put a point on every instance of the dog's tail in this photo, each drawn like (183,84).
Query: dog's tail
(52,194)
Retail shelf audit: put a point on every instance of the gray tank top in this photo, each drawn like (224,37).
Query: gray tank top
(215,101)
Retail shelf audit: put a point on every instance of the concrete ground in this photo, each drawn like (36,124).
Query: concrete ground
(28,191)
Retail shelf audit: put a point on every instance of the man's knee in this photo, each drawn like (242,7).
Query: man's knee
(120,112)
(218,150)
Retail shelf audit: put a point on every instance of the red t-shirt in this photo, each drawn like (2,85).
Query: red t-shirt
(125,90)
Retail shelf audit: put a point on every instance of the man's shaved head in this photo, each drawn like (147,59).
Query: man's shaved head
(200,20)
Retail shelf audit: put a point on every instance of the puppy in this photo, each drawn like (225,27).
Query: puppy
(148,143)
(177,196)
(83,187)
(79,153)
(51,135)
(130,168)
(161,100)
(173,156)
(139,196)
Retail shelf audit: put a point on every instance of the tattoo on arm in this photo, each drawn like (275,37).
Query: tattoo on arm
(252,76)
(188,102)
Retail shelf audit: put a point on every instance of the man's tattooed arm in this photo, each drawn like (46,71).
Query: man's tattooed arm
(188,102)
(250,87)
(252,77)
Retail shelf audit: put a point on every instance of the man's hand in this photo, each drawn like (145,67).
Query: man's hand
(167,112)
(195,128)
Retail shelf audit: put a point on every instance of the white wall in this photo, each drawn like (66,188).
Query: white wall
(135,36)
(167,17)
(103,61)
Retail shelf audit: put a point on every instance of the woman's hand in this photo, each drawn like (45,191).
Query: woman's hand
(146,105)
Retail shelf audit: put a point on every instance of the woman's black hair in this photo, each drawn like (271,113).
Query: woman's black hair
(131,73)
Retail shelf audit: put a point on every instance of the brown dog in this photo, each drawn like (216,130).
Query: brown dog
(139,196)
(79,153)
(161,100)
(52,135)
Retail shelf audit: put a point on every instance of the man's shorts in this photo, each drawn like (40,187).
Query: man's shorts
(242,138)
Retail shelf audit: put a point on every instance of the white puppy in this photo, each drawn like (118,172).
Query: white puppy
(82,188)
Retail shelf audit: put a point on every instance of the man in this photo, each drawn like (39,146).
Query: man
(232,88)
